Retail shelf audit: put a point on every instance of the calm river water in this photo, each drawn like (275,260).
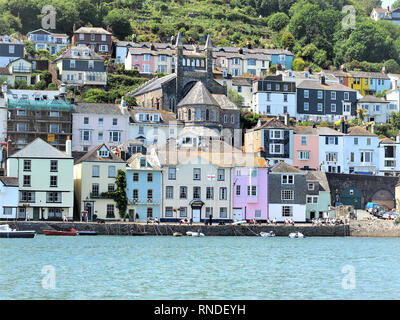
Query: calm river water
(111,267)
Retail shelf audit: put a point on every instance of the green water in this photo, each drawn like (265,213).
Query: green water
(111,267)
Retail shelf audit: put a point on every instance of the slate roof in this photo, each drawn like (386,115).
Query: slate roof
(92,156)
(198,95)
(40,149)
(387,141)
(320,177)
(283,167)
(359,131)
(4,71)
(152,161)
(312,84)
(373,99)
(9,181)
(99,108)
(271,123)
(96,30)
(153,84)
(69,54)
(245,82)
(224,102)
(322,131)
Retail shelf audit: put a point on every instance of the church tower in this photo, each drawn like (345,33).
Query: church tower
(179,69)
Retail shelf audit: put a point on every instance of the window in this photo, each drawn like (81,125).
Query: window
(91,64)
(7,211)
(111,171)
(149,195)
(276,134)
(221,174)
(287,179)
(252,190)
(366,156)
(27,181)
(111,187)
(196,174)
(306,94)
(86,135)
(196,192)
(110,211)
(169,212)
(238,190)
(210,193)
(333,95)
(53,165)
(54,128)
(72,65)
(27,196)
(53,181)
(27,165)
(276,148)
(320,94)
(209,211)
(53,197)
(331,156)
(319,106)
(143,162)
(368,141)
(22,127)
(257,214)
(306,106)
(171,173)
(223,212)
(183,193)
(135,194)
(100,136)
(223,194)
(351,156)
(115,122)
(303,155)
(85,120)
(304,140)
(141,130)
(346,96)
(183,212)
(356,141)
(101,121)
(146,57)
(135,177)
(310,186)
(115,136)
(11,49)
(103,47)
(149,177)
(103,37)
(169,192)
(287,211)
(149,212)
(287,195)
(285,98)
(331,140)
(312,199)
(95,171)
(333,107)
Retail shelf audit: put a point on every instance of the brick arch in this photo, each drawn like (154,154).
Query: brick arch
(384,196)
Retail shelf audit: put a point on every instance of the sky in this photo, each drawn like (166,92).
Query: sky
(386,3)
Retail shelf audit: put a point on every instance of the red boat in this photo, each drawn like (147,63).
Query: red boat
(60,233)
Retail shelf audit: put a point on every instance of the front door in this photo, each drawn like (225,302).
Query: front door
(237,214)
(35,213)
(89,208)
(196,214)
(131,214)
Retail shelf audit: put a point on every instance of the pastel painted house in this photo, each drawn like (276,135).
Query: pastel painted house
(318,199)
(250,193)
(143,187)
(45,178)
(306,147)
(8,198)
(97,123)
(287,193)
(94,176)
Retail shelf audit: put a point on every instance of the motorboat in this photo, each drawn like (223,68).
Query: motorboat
(177,234)
(72,232)
(195,234)
(87,233)
(267,234)
(238,222)
(7,232)
(296,234)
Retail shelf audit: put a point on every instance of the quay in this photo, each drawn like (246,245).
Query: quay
(167,229)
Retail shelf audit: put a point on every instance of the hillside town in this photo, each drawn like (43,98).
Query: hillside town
(178,147)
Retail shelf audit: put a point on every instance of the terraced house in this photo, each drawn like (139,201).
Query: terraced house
(46,40)
(10,49)
(97,39)
(94,177)
(45,179)
(80,66)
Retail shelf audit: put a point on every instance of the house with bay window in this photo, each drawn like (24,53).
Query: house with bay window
(97,123)
(94,177)
(46,40)
(377,109)
(287,187)
(143,187)
(45,179)
(8,198)
(272,138)
(97,39)
(80,66)
(331,150)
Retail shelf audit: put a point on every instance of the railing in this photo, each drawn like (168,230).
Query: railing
(57,105)
(144,201)
(17,69)
(102,195)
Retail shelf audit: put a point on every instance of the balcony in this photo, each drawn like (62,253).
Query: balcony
(141,201)
(18,69)
(102,195)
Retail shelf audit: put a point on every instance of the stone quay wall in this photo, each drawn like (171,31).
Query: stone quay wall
(374,228)
(168,229)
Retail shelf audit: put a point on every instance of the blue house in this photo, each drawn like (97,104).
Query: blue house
(283,57)
(143,187)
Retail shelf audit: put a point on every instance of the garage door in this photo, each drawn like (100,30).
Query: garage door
(237,214)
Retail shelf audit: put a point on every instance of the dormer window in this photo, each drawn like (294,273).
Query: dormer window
(104,153)
(156,118)
(87,53)
(142,162)
(76,53)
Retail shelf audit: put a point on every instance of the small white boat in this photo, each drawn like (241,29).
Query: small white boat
(267,234)
(177,234)
(239,222)
(194,234)
(296,234)
(7,232)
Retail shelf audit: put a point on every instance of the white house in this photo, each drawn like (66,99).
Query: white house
(45,179)
(330,150)
(378,109)
(389,157)
(8,197)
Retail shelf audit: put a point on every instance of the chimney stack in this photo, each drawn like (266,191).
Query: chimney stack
(74,28)
(286,119)
(373,128)
(398,138)
(323,78)
(343,126)
(123,102)
(68,146)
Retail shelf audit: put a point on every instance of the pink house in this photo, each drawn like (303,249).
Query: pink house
(142,60)
(97,123)
(306,148)
(250,193)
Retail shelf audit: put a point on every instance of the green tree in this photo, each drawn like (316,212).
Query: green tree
(298,64)
(278,21)
(392,66)
(119,22)
(288,41)
(235,97)
(395,120)
(119,195)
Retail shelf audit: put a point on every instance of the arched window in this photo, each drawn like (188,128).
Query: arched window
(193,63)
(207,115)
(197,63)
(184,62)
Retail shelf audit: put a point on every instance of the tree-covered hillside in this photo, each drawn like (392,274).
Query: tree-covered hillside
(312,29)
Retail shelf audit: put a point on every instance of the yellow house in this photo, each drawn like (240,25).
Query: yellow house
(94,177)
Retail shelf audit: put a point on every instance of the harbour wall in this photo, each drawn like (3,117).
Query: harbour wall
(375,228)
(169,229)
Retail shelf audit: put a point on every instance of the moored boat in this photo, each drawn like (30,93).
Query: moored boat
(87,233)
(60,233)
(267,234)
(177,234)
(195,234)
(296,234)
(7,232)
